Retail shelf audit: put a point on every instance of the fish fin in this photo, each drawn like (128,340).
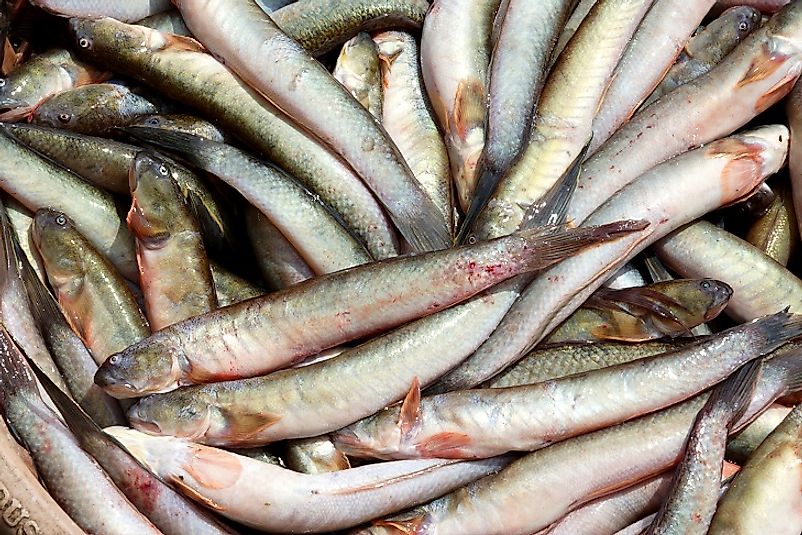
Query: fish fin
(445,445)
(16,377)
(550,249)
(657,271)
(183,42)
(469,106)
(182,143)
(789,361)
(775,93)
(243,426)
(10,58)
(213,468)
(764,65)
(411,526)
(736,391)
(194,494)
(409,417)
(622,332)
(778,328)
(639,297)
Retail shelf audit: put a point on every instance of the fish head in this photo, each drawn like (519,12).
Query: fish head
(60,246)
(153,216)
(714,295)
(184,413)
(105,39)
(179,122)
(147,367)
(59,111)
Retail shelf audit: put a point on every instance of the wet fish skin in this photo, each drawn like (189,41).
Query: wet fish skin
(646,313)
(245,489)
(729,168)
(484,422)
(128,11)
(40,77)
(280,264)
(321,25)
(694,493)
(455,57)
(568,359)
(358,70)
(408,118)
(181,69)
(793,110)
(765,496)
(655,45)
(73,478)
(757,74)
(759,283)
(182,122)
(94,297)
(708,48)
(315,455)
(230,288)
(346,127)
(93,109)
(304,319)
(169,21)
(563,121)
(776,232)
(744,443)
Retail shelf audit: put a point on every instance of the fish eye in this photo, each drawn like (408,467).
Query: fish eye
(705,285)
(61,220)
(153,121)
(2,82)
(472,240)
(83,42)
(163,170)
(64,117)
(743,26)
(114,359)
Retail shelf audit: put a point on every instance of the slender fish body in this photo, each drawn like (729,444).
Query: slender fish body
(315,455)
(759,283)
(776,232)
(702,180)
(175,276)
(246,38)
(455,57)
(72,476)
(181,122)
(485,422)
(655,45)
(760,72)
(182,70)
(408,118)
(563,121)
(95,299)
(127,11)
(230,288)
(274,331)
(272,498)
(743,444)
(765,496)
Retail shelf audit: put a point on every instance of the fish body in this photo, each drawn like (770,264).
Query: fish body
(358,70)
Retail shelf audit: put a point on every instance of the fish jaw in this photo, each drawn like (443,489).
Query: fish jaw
(134,372)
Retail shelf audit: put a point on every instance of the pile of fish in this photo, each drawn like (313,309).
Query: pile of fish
(392,267)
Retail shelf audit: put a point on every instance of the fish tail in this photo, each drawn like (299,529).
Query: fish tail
(735,393)
(486,182)
(778,328)
(186,145)
(549,249)
(412,526)
(788,361)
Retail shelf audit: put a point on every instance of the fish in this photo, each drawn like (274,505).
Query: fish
(578,14)
(183,122)
(645,313)
(743,444)
(311,226)
(95,299)
(563,121)
(517,74)
(128,11)
(693,497)
(73,478)
(106,163)
(708,48)
(765,496)
(776,232)
(759,283)
(482,423)
(793,111)
(306,318)
(181,69)
(346,126)
(41,77)
(93,109)
(765,6)
(175,276)
(757,74)
(170,511)
(321,25)
(230,288)
(36,182)
(278,261)
(272,498)
(716,174)
(169,21)
(564,476)
(455,57)
(315,455)
(658,41)
(408,118)
(358,70)
(554,362)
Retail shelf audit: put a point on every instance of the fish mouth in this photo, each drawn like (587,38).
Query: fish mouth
(114,386)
